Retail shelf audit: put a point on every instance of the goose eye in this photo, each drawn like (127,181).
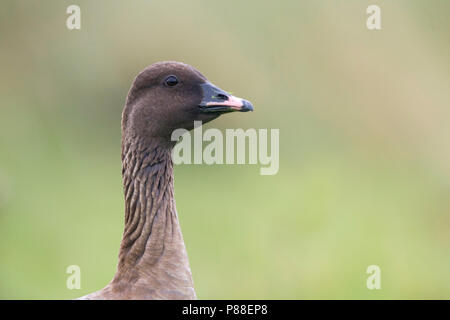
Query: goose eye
(171,81)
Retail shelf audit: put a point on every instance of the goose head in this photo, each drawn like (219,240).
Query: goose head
(170,95)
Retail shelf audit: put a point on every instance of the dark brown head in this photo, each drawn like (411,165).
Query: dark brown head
(170,95)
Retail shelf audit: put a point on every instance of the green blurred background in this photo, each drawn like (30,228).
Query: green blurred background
(364,145)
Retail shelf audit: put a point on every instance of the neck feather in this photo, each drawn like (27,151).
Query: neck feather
(152,252)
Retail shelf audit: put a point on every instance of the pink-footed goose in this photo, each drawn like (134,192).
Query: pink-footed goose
(153,262)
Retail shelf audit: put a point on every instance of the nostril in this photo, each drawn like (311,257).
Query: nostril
(222,97)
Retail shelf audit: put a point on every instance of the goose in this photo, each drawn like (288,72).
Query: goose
(153,261)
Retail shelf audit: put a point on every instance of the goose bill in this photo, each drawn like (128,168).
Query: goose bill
(218,100)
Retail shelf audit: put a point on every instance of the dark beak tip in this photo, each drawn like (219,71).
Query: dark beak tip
(247,106)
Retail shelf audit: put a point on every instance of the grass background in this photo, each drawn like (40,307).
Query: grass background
(364,145)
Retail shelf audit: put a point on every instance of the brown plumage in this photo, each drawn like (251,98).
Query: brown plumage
(153,262)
